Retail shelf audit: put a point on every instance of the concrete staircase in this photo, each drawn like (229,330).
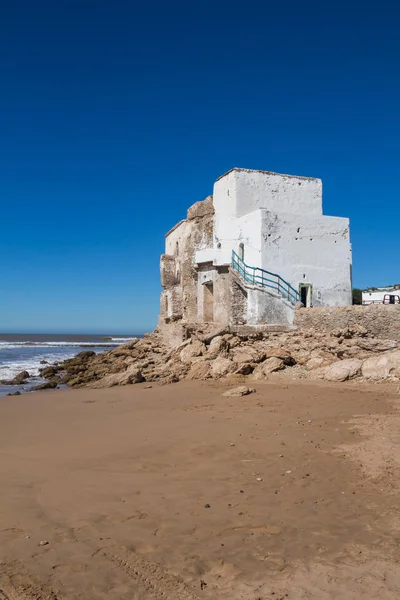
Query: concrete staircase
(270,300)
(264,279)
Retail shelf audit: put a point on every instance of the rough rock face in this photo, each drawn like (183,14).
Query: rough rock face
(130,375)
(199,370)
(344,353)
(195,349)
(221,366)
(218,347)
(18,379)
(383,366)
(343,370)
(269,366)
(48,385)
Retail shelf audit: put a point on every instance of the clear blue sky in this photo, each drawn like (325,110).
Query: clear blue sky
(114,118)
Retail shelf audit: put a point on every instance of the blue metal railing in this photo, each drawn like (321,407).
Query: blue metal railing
(257,276)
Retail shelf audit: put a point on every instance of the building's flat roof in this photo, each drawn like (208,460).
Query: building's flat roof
(267,173)
(174,227)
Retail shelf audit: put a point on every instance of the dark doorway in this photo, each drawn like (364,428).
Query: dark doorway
(305,290)
(208,302)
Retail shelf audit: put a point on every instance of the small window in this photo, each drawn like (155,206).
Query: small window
(176,248)
(241,251)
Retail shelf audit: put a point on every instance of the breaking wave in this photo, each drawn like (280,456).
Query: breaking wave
(8,345)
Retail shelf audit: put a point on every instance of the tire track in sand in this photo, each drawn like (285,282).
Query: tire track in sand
(155,581)
(17,584)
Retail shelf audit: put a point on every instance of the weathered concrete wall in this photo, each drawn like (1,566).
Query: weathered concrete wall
(254,306)
(170,272)
(178,273)
(239,302)
(205,277)
(222,296)
(265,307)
(219,277)
(382,321)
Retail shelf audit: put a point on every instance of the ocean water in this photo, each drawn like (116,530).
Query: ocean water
(24,352)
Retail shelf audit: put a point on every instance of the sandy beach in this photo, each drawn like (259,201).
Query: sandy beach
(178,493)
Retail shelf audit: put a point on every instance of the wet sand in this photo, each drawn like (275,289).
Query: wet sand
(178,493)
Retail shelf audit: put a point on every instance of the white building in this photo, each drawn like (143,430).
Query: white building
(384,295)
(256,247)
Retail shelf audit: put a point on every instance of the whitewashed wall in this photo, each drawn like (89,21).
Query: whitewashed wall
(279,220)
(314,250)
(370,297)
(279,193)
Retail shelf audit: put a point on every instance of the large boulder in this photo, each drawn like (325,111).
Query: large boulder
(48,385)
(21,377)
(343,370)
(193,350)
(49,371)
(281,353)
(199,370)
(82,357)
(132,374)
(383,366)
(316,362)
(248,354)
(218,347)
(17,380)
(268,366)
(222,366)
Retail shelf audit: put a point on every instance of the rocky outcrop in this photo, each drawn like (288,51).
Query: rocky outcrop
(342,370)
(199,370)
(270,365)
(221,366)
(343,354)
(19,379)
(132,374)
(192,351)
(385,366)
(47,385)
